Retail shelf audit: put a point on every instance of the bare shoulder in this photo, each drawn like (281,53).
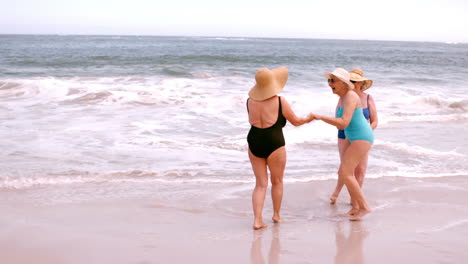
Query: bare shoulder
(351,96)
(352,100)
(284,101)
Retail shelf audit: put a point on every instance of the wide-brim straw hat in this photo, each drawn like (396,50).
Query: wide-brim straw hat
(268,83)
(341,74)
(358,76)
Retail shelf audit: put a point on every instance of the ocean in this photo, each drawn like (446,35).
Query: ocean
(103,116)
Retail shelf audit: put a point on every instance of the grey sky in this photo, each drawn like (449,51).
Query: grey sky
(428,20)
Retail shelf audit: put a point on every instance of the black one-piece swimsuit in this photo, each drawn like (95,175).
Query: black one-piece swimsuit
(263,141)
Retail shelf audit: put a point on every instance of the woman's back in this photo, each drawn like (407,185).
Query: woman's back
(263,114)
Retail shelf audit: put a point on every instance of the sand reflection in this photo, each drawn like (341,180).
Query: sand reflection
(350,248)
(256,256)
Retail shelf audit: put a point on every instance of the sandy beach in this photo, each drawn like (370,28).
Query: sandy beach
(132,150)
(415,220)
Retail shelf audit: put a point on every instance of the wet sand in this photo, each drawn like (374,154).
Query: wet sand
(414,220)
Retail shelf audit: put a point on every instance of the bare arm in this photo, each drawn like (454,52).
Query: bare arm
(374,119)
(350,102)
(337,106)
(289,114)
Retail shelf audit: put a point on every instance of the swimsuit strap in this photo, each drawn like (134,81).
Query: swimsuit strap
(280,111)
(368,95)
(281,120)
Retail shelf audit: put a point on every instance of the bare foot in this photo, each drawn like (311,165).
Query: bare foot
(333,198)
(259,225)
(276,219)
(351,212)
(361,213)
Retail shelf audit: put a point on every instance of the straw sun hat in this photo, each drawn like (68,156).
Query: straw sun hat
(268,83)
(341,74)
(358,76)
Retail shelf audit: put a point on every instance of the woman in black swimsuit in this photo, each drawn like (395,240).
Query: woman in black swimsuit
(267,115)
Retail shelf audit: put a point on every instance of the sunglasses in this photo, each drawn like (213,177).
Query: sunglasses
(353,81)
(331,80)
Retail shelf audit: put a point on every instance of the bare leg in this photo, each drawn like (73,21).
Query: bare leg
(359,174)
(277,163)
(356,151)
(259,167)
(360,171)
(342,146)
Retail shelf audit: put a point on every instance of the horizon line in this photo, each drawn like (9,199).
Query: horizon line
(221,36)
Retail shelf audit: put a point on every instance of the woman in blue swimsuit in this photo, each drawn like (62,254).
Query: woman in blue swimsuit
(267,116)
(358,132)
(370,113)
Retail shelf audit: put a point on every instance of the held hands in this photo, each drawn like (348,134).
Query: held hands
(313,116)
(310,117)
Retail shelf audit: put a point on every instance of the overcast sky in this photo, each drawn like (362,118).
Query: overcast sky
(419,20)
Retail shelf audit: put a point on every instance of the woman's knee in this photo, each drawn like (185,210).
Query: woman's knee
(263,184)
(346,175)
(343,172)
(360,171)
(276,180)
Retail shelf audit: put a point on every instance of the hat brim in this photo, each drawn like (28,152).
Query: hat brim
(358,78)
(280,77)
(329,74)
(367,84)
(259,94)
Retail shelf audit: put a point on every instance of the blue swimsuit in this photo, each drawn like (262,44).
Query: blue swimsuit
(365,111)
(358,128)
